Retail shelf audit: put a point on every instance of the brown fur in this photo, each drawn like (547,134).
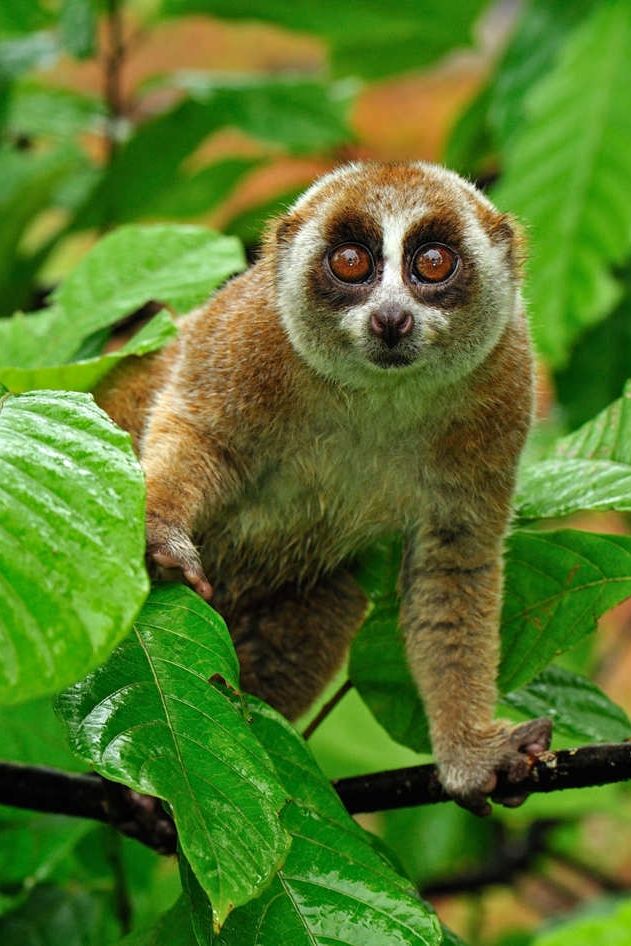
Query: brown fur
(269,477)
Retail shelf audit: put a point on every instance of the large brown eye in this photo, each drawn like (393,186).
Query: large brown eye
(434,263)
(351,262)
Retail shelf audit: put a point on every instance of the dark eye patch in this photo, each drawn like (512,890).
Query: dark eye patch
(441,228)
(349,226)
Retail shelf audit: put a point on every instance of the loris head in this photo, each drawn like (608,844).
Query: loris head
(388,270)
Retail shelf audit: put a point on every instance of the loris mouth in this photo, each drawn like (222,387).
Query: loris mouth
(388,358)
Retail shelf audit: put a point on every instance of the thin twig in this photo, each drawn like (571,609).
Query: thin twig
(113,60)
(328,707)
(122,901)
(510,857)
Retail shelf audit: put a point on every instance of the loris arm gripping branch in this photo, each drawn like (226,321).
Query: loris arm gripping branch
(370,374)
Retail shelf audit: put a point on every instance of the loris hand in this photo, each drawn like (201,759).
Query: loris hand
(170,547)
(470,772)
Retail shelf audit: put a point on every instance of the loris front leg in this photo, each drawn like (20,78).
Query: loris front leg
(188,471)
(452,583)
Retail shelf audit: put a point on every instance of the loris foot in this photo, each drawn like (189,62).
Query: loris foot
(171,548)
(470,774)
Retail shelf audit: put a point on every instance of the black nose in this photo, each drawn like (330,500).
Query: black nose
(391,324)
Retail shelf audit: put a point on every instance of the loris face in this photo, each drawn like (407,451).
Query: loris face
(391,269)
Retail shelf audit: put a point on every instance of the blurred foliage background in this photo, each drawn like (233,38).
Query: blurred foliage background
(217,112)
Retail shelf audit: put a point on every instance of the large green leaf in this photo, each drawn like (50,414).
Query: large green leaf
(72,574)
(334,886)
(368,39)
(568,175)
(576,706)
(557,586)
(152,718)
(541,32)
(176,265)
(588,470)
(84,375)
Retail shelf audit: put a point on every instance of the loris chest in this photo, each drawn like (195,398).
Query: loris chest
(326,493)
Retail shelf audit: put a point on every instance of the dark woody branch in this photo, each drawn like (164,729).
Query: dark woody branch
(143,818)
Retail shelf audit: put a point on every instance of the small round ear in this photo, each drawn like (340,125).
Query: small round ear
(280,231)
(506,229)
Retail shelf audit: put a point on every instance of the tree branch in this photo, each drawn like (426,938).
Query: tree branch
(88,796)
(586,767)
(143,817)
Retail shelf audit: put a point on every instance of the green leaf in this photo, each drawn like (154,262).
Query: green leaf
(28,183)
(590,468)
(607,343)
(77,25)
(71,514)
(334,886)
(568,175)
(372,40)
(470,141)
(378,666)
(52,916)
(152,719)
(298,114)
(192,194)
(249,225)
(178,266)
(542,31)
(302,115)
(21,53)
(24,16)
(611,927)
(576,706)
(558,584)
(84,375)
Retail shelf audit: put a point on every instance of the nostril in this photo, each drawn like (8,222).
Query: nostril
(377,325)
(407,323)
(390,326)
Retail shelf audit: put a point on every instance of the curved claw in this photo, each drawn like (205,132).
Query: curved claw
(171,548)
(510,760)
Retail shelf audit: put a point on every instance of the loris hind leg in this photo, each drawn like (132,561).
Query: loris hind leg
(290,642)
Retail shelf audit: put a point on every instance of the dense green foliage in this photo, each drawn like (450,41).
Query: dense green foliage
(145,682)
